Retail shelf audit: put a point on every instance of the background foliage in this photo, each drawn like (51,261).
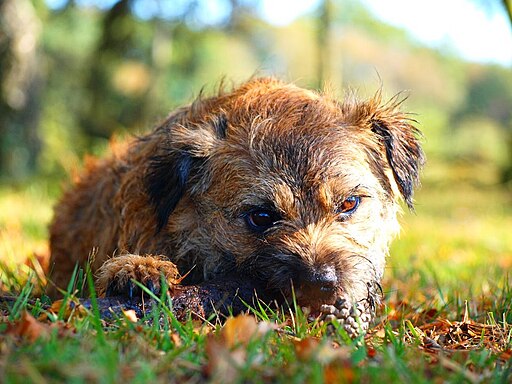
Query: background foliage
(74,75)
(78,73)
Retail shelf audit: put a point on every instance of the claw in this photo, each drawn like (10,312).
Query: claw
(131,288)
(111,289)
(151,286)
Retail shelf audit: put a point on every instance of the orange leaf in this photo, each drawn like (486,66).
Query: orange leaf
(339,373)
(222,363)
(176,339)
(506,355)
(372,352)
(28,328)
(239,330)
(73,307)
(130,315)
(305,348)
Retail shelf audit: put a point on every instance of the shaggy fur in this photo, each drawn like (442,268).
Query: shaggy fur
(192,189)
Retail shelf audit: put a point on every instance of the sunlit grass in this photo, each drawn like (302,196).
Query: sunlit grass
(455,248)
(24,217)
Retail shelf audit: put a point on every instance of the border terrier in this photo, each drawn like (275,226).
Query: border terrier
(267,181)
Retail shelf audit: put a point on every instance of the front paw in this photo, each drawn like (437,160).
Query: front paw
(117,275)
(355,318)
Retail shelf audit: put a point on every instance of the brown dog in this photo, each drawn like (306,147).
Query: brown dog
(268,182)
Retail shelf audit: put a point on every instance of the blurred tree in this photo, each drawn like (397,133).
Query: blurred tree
(324,42)
(129,65)
(119,65)
(507,4)
(507,171)
(20,81)
(489,94)
(118,76)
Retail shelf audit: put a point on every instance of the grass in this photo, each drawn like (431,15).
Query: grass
(447,315)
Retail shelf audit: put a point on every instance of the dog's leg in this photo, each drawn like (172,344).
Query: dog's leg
(116,275)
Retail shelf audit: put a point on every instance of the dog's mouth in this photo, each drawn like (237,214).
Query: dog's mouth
(313,298)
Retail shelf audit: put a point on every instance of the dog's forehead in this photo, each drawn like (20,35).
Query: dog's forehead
(284,106)
(302,140)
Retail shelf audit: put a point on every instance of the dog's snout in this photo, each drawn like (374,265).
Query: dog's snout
(324,280)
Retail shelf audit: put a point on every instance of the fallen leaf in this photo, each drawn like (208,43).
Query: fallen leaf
(239,330)
(305,348)
(28,328)
(72,308)
(339,372)
(176,339)
(506,355)
(130,315)
(372,352)
(381,333)
(222,362)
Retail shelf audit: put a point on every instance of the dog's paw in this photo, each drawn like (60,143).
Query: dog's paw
(116,275)
(354,318)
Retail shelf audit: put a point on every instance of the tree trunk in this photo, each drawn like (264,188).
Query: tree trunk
(20,81)
(323,43)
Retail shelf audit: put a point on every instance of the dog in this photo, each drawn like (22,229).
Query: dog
(266,181)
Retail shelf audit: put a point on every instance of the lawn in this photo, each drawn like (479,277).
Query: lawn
(446,315)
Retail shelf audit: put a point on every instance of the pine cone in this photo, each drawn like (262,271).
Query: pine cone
(355,318)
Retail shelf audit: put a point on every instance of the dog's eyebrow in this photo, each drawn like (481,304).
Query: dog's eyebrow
(360,188)
(263,204)
(255,203)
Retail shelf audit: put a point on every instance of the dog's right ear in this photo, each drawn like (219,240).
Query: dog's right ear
(177,165)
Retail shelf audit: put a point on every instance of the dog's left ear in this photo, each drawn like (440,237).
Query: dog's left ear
(177,164)
(400,139)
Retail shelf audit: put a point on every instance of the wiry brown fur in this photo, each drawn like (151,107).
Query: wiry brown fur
(185,189)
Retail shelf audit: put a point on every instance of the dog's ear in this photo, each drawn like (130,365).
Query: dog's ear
(178,161)
(166,182)
(400,140)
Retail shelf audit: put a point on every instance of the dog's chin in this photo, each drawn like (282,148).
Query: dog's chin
(314,299)
(307,297)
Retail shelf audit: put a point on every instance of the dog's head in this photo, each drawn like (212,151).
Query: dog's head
(287,186)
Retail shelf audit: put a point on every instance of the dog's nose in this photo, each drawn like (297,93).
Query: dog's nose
(323,279)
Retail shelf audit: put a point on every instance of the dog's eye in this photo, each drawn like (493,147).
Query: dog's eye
(260,220)
(349,205)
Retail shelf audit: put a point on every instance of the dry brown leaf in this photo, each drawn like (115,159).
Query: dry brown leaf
(305,348)
(397,310)
(339,372)
(130,315)
(222,362)
(72,308)
(506,355)
(226,350)
(239,330)
(464,335)
(176,339)
(28,328)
